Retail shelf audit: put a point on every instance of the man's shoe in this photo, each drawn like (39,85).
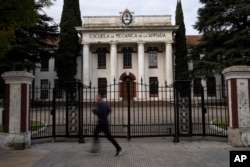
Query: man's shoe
(119,153)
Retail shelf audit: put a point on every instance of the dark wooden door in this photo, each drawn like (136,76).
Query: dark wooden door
(127,87)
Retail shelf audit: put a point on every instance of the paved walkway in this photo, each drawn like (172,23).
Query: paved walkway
(140,152)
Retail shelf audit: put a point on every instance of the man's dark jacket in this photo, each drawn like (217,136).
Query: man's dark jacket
(102,111)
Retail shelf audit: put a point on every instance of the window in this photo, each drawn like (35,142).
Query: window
(101,58)
(153,86)
(127,58)
(197,87)
(57,63)
(44,88)
(211,86)
(45,65)
(102,85)
(58,89)
(152,59)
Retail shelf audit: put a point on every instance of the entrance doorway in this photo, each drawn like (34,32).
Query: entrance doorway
(127,86)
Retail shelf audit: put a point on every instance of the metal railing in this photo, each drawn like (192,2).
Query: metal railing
(138,110)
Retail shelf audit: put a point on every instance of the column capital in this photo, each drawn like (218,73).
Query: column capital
(85,43)
(113,42)
(141,42)
(169,42)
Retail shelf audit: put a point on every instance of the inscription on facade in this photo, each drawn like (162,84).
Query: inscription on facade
(127,35)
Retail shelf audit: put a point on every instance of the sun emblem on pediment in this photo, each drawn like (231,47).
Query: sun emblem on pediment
(126,17)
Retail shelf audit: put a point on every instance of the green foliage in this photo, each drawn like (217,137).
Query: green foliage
(14,14)
(225,25)
(1,128)
(30,44)
(69,46)
(181,60)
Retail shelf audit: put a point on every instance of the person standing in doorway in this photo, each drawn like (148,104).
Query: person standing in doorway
(102,111)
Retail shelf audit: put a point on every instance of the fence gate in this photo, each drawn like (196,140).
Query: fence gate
(67,118)
(183,114)
(138,109)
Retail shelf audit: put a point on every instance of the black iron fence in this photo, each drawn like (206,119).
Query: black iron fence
(210,113)
(41,118)
(138,110)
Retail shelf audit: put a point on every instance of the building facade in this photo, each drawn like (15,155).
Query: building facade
(125,47)
(118,47)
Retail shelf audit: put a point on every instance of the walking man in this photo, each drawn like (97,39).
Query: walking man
(102,111)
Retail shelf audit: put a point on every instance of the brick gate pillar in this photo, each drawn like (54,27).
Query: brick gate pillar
(16,114)
(238,88)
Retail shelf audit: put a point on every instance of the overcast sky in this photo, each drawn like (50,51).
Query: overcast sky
(139,7)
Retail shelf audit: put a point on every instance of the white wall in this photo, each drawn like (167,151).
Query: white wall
(50,74)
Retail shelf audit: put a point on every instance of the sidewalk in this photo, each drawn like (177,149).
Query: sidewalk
(139,152)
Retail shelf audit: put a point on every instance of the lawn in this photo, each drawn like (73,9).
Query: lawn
(35,125)
(221,123)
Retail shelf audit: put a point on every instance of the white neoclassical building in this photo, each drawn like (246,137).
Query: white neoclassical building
(127,45)
(121,47)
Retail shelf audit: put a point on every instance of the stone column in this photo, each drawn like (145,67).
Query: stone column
(113,61)
(140,61)
(113,68)
(169,63)
(16,115)
(238,88)
(85,77)
(141,68)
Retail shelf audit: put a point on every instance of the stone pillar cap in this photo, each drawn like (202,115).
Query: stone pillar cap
(18,77)
(236,69)
(237,72)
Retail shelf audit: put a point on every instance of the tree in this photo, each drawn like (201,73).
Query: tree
(30,45)
(225,26)
(23,41)
(181,60)
(69,46)
(15,14)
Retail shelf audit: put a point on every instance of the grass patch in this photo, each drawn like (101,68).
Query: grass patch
(35,125)
(221,123)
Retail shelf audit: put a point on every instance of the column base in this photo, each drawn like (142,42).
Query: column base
(15,141)
(239,137)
